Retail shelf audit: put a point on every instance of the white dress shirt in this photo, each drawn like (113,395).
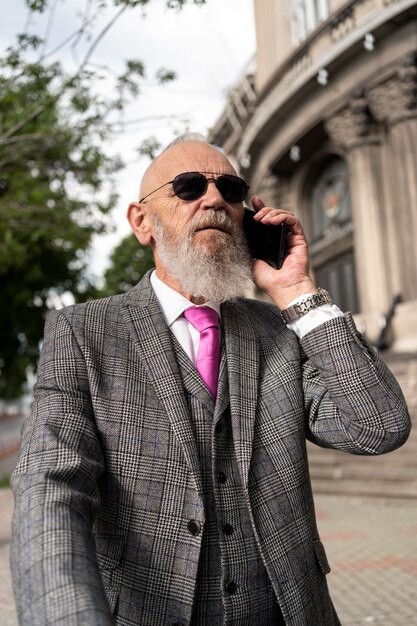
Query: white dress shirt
(173,305)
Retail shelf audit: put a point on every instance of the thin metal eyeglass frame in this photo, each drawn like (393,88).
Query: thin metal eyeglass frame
(208,180)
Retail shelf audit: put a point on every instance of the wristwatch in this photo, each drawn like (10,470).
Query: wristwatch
(297,310)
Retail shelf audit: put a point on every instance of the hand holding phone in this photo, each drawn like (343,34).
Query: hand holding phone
(265,241)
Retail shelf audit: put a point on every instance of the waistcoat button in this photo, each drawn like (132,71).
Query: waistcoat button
(231,587)
(194,527)
(222,477)
(228,529)
(218,428)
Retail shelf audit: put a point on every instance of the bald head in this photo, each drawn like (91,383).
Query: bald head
(185,156)
(198,243)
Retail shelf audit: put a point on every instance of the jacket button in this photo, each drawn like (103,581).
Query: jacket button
(194,527)
(231,587)
(222,477)
(228,529)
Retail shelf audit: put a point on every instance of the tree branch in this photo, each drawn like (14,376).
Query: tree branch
(100,36)
(5,141)
(15,129)
(49,24)
(39,110)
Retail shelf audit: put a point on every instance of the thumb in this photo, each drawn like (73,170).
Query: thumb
(257,203)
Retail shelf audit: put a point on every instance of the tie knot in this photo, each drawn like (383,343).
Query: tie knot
(202,317)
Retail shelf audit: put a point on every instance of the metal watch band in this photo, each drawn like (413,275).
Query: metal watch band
(294,312)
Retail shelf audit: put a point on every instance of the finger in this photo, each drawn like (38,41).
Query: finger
(276,217)
(257,203)
(268,214)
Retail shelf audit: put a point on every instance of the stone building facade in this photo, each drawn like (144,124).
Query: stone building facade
(326,125)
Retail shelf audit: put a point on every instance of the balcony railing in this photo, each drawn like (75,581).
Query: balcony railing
(352,23)
(241,101)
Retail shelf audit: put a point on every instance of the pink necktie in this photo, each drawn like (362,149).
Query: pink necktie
(206,321)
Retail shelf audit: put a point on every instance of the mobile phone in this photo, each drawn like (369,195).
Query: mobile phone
(265,241)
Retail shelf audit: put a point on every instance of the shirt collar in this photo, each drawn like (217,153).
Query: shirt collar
(172,303)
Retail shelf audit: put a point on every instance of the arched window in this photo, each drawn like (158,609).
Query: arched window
(330,199)
(331,231)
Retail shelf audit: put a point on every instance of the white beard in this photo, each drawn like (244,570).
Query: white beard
(218,276)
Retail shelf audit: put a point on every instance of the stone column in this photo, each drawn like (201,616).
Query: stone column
(354,130)
(394,104)
(274,191)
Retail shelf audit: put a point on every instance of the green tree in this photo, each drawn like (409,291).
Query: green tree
(56,179)
(129,261)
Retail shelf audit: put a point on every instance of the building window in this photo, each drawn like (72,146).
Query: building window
(330,205)
(338,277)
(307,14)
(331,231)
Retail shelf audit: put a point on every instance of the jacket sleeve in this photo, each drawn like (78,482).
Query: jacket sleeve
(353,401)
(55,574)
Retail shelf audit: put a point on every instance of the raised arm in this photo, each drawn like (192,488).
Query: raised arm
(353,402)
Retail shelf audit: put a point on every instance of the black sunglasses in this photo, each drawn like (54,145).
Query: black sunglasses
(192,185)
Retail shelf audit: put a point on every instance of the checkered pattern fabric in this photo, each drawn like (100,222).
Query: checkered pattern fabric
(109,475)
(229,558)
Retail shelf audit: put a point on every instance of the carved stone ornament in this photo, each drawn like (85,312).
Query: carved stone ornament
(273,190)
(352,126)
(396,99)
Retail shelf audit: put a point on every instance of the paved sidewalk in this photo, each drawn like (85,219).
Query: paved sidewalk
(372,548)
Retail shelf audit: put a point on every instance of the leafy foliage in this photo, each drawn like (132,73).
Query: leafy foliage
(56,180)
(128,263)
(50,158)
(149,147)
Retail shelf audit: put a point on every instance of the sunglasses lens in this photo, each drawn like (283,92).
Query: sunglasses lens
(189,186)
(232,188)
(192,185)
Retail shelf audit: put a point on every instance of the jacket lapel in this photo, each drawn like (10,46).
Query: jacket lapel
(243,368)
(192,381)
(222,400)
(153,343)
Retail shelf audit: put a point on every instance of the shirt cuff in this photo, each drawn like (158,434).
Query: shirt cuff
(313,318)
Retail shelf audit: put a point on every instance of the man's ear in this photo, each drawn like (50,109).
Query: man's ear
(139,222)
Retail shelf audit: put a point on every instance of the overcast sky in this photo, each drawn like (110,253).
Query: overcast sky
(208,47)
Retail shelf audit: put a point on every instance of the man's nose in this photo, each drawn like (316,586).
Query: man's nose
(212,198)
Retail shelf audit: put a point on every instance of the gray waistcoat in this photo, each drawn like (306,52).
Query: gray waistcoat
(233,587)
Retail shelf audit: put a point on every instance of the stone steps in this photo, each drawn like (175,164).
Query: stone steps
(392,475)
(377,489)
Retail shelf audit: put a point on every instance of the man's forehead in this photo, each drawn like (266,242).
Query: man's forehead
(189,156)
(192,157)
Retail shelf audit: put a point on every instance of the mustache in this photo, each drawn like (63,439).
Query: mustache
(213,219)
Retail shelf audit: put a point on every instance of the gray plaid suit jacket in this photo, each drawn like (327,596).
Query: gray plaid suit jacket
(109,475)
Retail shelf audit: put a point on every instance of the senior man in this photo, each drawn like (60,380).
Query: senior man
(163,476)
